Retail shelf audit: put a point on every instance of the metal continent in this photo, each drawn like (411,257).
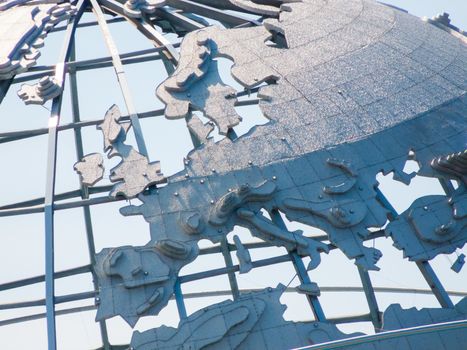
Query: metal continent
(337,119)
(90,168)
(138,281)
(24,29)
(41,92)
(253,321)
(396,318)
(134,173)
(351,88)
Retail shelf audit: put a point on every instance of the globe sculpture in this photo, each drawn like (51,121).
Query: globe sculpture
(349,89)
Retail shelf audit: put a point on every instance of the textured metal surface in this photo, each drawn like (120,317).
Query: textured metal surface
(253,321)
(22,33)
(134,173)
(351,88)
(136,281)
(342,195)
(386,339)
(41,92)
(396,318)
(355,90)
(342,103)
(91,169)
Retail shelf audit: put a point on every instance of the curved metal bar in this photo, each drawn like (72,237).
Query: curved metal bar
(4,86)
(84,192)
(145,27)
(399,333)
(42,315)
(336,320)
(54,121)
(11,136)
(61,206)
(102,62)
(58,300)
(18,135)
(38,279)
(211,12)
(118,66)
(220,293)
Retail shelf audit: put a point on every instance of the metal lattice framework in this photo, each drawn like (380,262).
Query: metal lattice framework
(182,17)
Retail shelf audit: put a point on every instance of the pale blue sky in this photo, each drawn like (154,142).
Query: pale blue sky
(457,9)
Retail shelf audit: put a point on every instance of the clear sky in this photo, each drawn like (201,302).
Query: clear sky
(457,9)
(21,242)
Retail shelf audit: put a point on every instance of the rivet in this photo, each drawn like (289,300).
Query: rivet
(212,202)
(274,177)
(320,196)
(425,208)
(250,162)
(186,162)
(230,190)
(176,194)
(201,181)
(351,211)
(146,273)
(219,230)
(282,138)
(213,170)
(188,94)
(187,176)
